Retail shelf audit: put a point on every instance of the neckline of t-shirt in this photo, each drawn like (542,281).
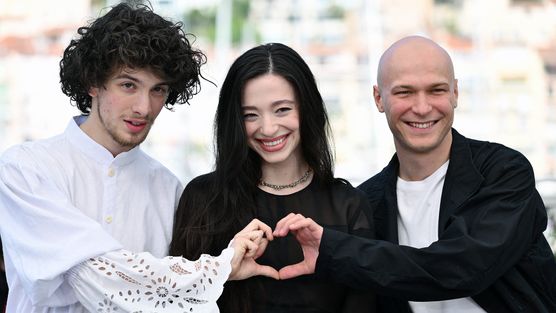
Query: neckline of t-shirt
(440,172)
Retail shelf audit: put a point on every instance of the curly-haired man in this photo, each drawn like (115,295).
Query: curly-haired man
(70,204)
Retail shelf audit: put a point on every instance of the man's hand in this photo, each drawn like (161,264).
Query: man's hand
(308,234)
(249,244)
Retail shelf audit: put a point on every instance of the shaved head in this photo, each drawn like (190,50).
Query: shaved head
(417,91)
(409,51)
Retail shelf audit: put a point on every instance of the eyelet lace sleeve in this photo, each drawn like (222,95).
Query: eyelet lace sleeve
(122,281)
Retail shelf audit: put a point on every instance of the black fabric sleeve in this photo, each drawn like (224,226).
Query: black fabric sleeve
(360,223)
(484,237)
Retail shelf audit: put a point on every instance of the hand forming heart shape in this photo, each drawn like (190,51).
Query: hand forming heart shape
(254,239)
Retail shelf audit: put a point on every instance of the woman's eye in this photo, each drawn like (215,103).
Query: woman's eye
(283,110)
(249,116)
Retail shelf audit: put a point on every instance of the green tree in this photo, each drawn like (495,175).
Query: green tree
(202,22)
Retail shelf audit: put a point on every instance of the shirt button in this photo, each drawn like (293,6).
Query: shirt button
(111,172)
(108,219)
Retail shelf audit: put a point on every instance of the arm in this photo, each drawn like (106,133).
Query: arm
(37,218)
(309,235)
(363,301)
(492,222)
(131,282)
(486,236)
(360,224)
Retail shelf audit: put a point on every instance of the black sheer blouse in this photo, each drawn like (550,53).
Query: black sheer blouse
(340,207)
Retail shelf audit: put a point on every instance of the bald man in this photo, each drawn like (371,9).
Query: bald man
(459,221)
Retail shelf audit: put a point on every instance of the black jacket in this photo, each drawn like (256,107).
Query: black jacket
(491,245)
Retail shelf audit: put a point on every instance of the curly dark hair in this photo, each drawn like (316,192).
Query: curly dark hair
(130,36)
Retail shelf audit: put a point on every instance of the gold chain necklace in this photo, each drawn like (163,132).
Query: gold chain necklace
(290,185)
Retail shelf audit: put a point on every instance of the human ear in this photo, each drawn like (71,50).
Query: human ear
(456,93)
(93,92)
(378,99)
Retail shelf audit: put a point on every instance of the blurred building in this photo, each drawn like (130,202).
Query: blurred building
(510,93)
(32,105)
(501,50)
(341,45)
(31,43)
(504,53)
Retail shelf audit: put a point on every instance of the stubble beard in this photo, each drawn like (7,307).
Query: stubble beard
(123,142)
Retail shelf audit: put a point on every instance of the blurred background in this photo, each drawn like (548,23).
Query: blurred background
(504,52)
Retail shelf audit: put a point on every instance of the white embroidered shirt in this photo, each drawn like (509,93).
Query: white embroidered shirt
(66,199)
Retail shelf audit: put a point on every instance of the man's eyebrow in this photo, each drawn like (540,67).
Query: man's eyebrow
(126,76)
(135,79)
(402,87)
(439,85)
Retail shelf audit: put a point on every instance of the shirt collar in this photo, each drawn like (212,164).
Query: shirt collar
(94,150)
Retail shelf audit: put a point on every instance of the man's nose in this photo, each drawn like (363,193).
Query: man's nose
(421,104)
(142,104)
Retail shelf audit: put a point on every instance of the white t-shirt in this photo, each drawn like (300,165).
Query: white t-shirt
(66,199)
(418,212)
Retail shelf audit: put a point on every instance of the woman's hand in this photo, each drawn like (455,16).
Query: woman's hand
(249,244)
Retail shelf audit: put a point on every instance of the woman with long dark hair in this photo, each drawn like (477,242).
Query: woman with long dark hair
(273,157)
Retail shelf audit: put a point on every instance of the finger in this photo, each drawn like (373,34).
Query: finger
(256,236)
(266,229)
(239,251)
(282,227)
(253,235)
(279,228)
(256,224)
(262,247)
(293,270)
(243,247)
(251,226)
(250,249)
(267,271)
(303,223)
(293,220)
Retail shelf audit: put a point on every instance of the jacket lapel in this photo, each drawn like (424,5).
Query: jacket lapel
(461,182)
(386,217)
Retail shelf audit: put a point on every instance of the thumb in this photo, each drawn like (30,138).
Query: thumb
(294,270)
(261,248)
(267,271)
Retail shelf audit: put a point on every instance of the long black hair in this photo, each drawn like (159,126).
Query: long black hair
(214,209)
(130,36)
